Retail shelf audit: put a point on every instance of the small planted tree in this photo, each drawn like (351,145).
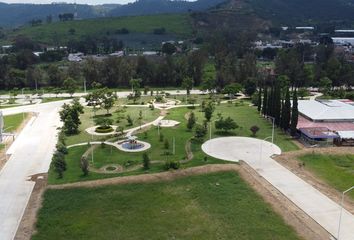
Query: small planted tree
(146,161)
(166,144)
(200,131)
(129,120)
(191,121)
(84,165)
(59,163)
(254,129)
(208,111)
(225,125)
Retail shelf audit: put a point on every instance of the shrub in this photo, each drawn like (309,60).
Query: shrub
(61,148)
(172,165)
(59,163)
(166,144)
(254,129)
(84,165)
(146,161)
(104,129)
(129,120)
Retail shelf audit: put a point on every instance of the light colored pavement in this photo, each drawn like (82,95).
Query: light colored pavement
(318,206)
(31,153)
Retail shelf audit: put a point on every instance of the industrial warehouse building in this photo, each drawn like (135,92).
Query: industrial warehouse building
(326,122)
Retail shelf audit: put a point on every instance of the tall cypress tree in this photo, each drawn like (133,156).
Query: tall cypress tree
(270,107)
(277,104)
(294,115)
(259,104)
(286,112)
(265,101)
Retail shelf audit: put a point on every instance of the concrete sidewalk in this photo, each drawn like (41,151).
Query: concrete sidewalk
(31,153)
(318,206)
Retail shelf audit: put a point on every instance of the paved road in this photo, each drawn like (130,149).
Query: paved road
(30,154)
(318,206)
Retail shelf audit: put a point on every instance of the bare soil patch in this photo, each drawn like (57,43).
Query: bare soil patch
(27,225)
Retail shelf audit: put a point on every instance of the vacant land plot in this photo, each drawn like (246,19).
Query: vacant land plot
(213,206)
(336,170)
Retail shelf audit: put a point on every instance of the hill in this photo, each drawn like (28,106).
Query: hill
(303,11)
(14,15)
(140,28)
(147,7)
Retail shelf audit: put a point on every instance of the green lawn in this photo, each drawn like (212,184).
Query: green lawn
(213,206)
(88,121)
(13,122)
(246,116)
(336,170)
(175,24)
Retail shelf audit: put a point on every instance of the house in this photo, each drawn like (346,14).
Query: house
(75,57)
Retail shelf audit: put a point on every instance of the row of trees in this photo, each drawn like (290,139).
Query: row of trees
(274,101)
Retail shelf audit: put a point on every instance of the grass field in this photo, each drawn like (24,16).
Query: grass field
(13,122)
(175,24)
(336,170)
(88,121)
(246,116)
(214,206)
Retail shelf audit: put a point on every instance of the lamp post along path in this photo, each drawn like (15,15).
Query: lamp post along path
(341,210)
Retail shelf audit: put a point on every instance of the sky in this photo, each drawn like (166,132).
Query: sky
(91,2)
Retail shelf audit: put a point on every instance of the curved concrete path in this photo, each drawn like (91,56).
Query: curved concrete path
(314,203)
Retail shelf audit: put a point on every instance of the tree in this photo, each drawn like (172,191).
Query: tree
(166,144)
(254,129)
(226,124)
(70,116)
(191,121)
(187,84)
(69,85)
(277,104)
(325,85)
(265,101)
(208,111)
(200,131)
(59,163)
(129,120)
(146,161)
(286,112)
(294,115)
(232,89)
(259,101)
(168,48)
(108,99)
(84,165)
(103,122)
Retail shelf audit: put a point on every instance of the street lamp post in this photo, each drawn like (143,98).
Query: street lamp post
(273,121)
(341,210)
(261,150)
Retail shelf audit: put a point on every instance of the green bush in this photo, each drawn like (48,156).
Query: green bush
(172,165)
(104,129)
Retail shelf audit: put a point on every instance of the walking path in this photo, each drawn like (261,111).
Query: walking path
(257,154)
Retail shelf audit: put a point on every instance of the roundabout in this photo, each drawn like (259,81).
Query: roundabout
(240,148)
